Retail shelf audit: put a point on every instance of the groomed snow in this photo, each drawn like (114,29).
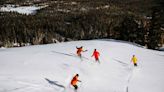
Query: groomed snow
(49,68)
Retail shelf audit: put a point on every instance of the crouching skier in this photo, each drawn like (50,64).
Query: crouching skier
(74,81)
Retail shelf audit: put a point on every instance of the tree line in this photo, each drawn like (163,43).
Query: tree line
(49,26)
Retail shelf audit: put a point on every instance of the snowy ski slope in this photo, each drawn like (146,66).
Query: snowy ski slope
(49,68)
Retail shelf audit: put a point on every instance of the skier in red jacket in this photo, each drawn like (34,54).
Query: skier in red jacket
(96,54)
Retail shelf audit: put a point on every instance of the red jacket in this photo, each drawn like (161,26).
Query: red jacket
(96,54)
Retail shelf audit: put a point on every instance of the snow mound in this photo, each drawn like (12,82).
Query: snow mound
(21,9)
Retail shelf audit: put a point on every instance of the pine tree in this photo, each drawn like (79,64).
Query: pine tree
(154,32)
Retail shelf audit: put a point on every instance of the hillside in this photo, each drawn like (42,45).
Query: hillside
(69,20)
(49,68)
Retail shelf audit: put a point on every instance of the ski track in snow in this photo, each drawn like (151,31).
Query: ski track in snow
(128,79)
(130,74)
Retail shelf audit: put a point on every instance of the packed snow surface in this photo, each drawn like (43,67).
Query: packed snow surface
(50,68)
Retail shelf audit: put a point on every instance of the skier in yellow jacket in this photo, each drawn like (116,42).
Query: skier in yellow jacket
(134,60)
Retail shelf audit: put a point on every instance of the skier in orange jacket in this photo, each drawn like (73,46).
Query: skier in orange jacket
(74,81)
(96,54)
(79,50)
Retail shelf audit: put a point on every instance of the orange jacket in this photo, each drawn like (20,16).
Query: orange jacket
(96,54)
(79,50)
(74,80)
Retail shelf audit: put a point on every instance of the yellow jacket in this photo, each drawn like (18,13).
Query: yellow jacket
(134,60)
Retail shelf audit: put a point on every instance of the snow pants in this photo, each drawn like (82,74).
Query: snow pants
(75,86)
